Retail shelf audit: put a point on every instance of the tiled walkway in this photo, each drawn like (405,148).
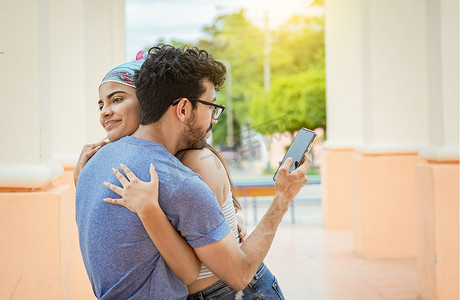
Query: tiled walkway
(311,262)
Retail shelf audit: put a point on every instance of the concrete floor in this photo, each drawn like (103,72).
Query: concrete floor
(312,262)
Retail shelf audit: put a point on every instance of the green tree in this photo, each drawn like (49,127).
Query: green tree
(297,95)
(298,46)
(294,101)
(232,38)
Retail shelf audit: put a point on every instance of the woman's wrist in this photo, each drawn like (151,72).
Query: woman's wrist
(150,210)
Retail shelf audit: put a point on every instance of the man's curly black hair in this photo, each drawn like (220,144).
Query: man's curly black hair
(170,73)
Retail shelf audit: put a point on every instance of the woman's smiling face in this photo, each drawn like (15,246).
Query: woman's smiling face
(119,110)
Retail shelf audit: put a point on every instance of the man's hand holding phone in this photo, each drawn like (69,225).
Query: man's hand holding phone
(290,176)
(288,184)
(300,146)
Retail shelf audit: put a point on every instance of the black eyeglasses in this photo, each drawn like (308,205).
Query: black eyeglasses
(218,108)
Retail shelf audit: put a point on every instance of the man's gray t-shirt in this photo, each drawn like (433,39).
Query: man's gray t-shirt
(119,256)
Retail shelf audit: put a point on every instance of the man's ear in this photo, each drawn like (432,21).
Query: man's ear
(182,109)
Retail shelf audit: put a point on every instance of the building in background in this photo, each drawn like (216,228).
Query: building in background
(390,171)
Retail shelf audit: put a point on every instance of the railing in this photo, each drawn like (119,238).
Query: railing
(261,188)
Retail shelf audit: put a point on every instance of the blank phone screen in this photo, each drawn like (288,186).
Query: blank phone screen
(298,148)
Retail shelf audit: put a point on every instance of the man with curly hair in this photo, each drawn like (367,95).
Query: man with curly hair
(176,89)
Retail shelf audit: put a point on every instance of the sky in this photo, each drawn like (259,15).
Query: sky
(149,20)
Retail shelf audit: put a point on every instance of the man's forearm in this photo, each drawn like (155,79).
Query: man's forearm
(259,242)
(262,236)
(241,264)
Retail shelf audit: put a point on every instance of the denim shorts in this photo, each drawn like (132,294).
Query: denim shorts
(262,286)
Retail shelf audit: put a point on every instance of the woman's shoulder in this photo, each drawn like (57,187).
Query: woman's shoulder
(210,168)
(201,158)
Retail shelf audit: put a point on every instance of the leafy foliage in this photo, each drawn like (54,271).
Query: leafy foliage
(294,101)
(297,94)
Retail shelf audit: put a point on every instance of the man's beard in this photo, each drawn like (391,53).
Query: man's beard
(194,137)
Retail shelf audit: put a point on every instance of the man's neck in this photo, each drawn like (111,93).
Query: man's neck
(158,133)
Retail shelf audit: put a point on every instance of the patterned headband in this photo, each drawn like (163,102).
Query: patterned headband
(124,73)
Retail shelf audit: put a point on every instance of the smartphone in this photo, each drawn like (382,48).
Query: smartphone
(300,146)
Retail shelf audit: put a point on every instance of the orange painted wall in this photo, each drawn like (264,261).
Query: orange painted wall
(39,253)
(425,233)
(30,244)
(337,192)
(384,211)
(76,284)
(438,230)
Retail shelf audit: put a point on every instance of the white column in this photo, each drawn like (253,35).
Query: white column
(344,73)
(344,77)
(104,49)
(68,94)
(394,77)
(395,127)
(438,179)
(81,60)
(53,55)
(443,71)
(25,159)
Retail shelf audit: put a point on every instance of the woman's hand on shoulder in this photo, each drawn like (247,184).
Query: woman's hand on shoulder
(242,229)
(86,153)
(136,195)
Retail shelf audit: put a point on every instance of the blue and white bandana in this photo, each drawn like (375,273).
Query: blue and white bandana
(124,73)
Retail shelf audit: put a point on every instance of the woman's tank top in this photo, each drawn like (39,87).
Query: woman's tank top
(228,209)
